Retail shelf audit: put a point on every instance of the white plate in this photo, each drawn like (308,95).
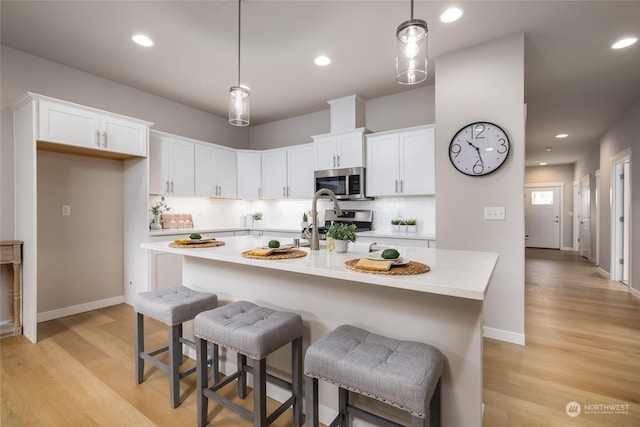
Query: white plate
(377,256)
(203,240)
(285,248)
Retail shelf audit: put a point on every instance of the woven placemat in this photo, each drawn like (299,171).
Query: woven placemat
(412,267)
(294,253)
(197,245)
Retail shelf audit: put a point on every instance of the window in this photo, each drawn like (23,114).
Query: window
(542,197)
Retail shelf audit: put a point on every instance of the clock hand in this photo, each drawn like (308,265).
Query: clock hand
(477,151)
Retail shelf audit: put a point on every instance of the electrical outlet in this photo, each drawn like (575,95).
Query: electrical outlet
(66,210)
(494,214)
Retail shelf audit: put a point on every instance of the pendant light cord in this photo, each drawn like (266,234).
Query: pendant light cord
(412,10)
(239,23)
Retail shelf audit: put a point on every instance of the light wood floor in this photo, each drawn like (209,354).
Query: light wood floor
(583,345)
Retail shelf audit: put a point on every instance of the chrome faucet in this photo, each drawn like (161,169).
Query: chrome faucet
(315,240)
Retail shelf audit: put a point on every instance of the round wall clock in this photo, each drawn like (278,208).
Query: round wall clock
(479,148)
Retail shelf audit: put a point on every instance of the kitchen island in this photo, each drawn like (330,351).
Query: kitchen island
(442,307)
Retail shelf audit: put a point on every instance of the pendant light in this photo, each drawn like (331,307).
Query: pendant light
(239,95)
(411,51)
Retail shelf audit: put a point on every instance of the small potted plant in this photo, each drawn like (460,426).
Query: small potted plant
(403,225)
(305,220)
(257,218)
(342,235)
(157,209)
(395,224)
(411,225)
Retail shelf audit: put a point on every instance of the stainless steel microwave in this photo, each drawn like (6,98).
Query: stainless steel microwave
(346,184)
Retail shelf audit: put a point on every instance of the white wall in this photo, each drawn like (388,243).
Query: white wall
(485,82)
(557,174)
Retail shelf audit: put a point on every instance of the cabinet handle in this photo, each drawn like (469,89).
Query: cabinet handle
(284,191)
(167,187)
(171,187)
(287,191)
(402,186)
(396,185)
(98,138)
(104,139)
(338,160)
(334,161)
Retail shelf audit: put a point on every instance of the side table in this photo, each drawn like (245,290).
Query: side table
(11,253)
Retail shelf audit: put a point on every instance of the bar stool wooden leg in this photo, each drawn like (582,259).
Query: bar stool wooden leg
(139,347)
(242,378)
(175,360)
(201,379)
(260,393)
(296,380)
(312,402)
(343,402)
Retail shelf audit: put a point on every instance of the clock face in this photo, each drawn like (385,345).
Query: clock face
(479,148)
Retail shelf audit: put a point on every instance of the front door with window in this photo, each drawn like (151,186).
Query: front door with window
(542,217)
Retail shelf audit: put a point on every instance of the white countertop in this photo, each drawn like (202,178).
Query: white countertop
(464,274)
(388,234)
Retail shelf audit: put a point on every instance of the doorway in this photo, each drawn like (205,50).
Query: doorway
(585,217)
(542,217)
(621,218)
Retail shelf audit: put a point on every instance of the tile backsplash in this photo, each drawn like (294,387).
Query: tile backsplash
(223,213)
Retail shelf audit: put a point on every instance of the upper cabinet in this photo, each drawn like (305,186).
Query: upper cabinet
(215,171)
(287,173)
(401,163)
(249,174)
(70,124)
(171,165)
(339,150)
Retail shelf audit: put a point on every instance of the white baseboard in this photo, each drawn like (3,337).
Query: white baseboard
(502,335)
(567,248)
(80,308)
(604,273)
(634,292)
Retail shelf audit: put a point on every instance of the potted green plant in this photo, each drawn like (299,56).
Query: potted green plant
(395,224)
(156,210)
(411,225)
(305,220)
(257,218)
(403,225)
(342,234)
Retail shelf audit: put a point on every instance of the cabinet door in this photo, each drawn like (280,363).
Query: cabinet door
(158,164)
(382,165)
(206,171)
(300,171)
(249,174)
(418,162)
(325,152)
(181,165)
(274,174)
(227,173)
(350,150)
(68,125)
(122,136)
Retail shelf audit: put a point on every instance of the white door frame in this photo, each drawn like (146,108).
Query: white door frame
(576,216)
(559,185)
(585,179)
(616,162)
(597,210)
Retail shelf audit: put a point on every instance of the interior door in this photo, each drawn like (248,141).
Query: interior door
(542,217)
(626,260)
(585,216)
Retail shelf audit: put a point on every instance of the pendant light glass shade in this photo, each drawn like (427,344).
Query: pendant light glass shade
(239,106)
(411,51)
(239,95)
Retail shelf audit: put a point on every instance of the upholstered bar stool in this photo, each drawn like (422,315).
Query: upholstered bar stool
(404,374)
(172,306)
(255,332)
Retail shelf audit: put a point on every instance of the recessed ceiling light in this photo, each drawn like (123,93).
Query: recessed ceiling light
(451,14)
(142,40)
(543,163)
(620,44)
(547,148)
(322,60)
(562,135)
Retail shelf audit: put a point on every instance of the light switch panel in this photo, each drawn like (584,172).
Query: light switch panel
(494,214)
(66,210)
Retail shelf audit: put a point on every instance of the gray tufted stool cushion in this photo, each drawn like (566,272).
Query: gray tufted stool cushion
(400,373)
(174,305)
(248,328)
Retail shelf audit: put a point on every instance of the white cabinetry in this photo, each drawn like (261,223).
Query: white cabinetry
(215,171)
(171,165)
(339,150)
(287,173)
(249,174)
(68,124)
(401,163)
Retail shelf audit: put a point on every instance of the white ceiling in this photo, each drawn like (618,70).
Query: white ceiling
(573,82)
